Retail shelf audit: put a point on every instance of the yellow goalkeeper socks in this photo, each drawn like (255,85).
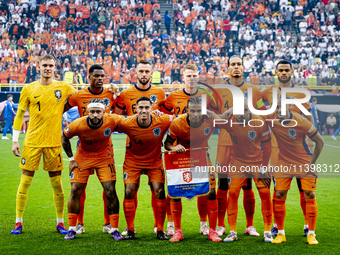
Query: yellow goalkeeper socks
(58,195)
(22,194)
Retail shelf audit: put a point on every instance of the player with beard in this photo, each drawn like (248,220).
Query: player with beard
(94,152)
(284,72)
(127,102)
(235,70)
(81,99)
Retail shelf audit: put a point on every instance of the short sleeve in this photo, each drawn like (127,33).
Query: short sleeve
(71,130)
(24,99)
(73,99)
(168,103)
(121,101)
(174,131)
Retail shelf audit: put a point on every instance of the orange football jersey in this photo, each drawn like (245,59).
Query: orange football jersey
(82,97)
(128,98)
(190,137)
(94,143)
(178,100)
(292,140)
(144,149)
(227,102)
(247,140)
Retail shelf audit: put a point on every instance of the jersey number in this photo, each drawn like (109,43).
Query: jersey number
(234,138)
(112,168)
(84,110)
(179,110)
(226,105)
(134,109)
(38,103)
(139,142)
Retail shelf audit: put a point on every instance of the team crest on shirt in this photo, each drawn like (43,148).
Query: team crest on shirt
(57,94)
(67,130)
(245,94)
(106,101)
(72,176)
(153,99)
(207,131)
(23,161)
(107,132)
(125,175)
(292,133)
(187,176)
(252,134)
(229,180)
(157,131)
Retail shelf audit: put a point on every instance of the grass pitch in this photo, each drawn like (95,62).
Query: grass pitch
(39,236)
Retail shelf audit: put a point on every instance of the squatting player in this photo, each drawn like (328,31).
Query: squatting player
(284,72)
(45,100)
(127,102)
(94,152)
(294,151)
(191,130)
(143,156)
(235,70)
(81,99)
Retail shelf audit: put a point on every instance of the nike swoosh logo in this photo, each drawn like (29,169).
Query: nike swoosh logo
(37,96)
(224,95)
(132,99)
(85,102)
(268,216)
(59,166)
(231,214)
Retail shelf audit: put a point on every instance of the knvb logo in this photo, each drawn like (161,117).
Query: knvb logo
(238,101)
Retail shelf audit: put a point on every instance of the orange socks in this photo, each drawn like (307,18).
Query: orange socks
(168,209)
(222,200)
(280,212)
(232,208)
(130,213)
(274,197)
(266,207)
(312,212)
(82,206)
(72,219)
(202,205)
(114,220)
(212,213)
(160,213)
(106,214)
(303,206)
(154,207)
(136,200)
(176,209)
(249,205)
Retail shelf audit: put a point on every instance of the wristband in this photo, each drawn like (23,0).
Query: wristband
(71,159)
(15,135)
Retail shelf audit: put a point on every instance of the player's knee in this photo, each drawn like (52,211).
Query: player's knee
(223,183)
(130,192)
(160,193)
(211,195)
(234,192)
(280,194)
(76,190)
(309,194)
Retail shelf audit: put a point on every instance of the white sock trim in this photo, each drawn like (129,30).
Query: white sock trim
(73,228)
(274,225)
(282,232)
(305,226)
(18,220)
(203,223)
(60,220)
(311,232)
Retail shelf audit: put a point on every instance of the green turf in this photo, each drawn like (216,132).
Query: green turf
(39,236)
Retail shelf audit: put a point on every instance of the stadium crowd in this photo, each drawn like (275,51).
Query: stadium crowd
(117,34)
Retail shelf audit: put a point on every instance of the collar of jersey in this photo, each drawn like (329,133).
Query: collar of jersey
(143,89)
(291,87)
(95,93)
(190,94)
(237,85)
(147,126)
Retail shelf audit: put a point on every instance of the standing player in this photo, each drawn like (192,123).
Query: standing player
(291,138)
(143,156)
(250,152)
(177,102)
(127,102)
(191,130)
(235,70)
(95,152)
(284,72)
(45,100)
(81,99)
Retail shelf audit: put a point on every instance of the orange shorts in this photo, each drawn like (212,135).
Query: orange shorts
(239,180)
(132,175)
(309,183)
(105,174)
(52,158)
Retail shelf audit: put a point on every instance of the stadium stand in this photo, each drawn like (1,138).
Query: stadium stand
(170,33)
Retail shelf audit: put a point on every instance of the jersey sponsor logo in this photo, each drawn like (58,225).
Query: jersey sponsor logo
(125,175)
(187,176)
(67,130)
(153,99)
(292,133)
(107,132)
(23,161)
(207,131)
(57,94)
(72,176)
(252,134)
(157,131)
(106,101)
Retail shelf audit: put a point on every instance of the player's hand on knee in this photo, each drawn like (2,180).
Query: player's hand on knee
(16,149)
(158,113)
(179,148)
(265,179)
(73,165)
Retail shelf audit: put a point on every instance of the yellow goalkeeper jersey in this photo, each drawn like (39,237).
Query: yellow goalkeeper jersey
(45,104)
